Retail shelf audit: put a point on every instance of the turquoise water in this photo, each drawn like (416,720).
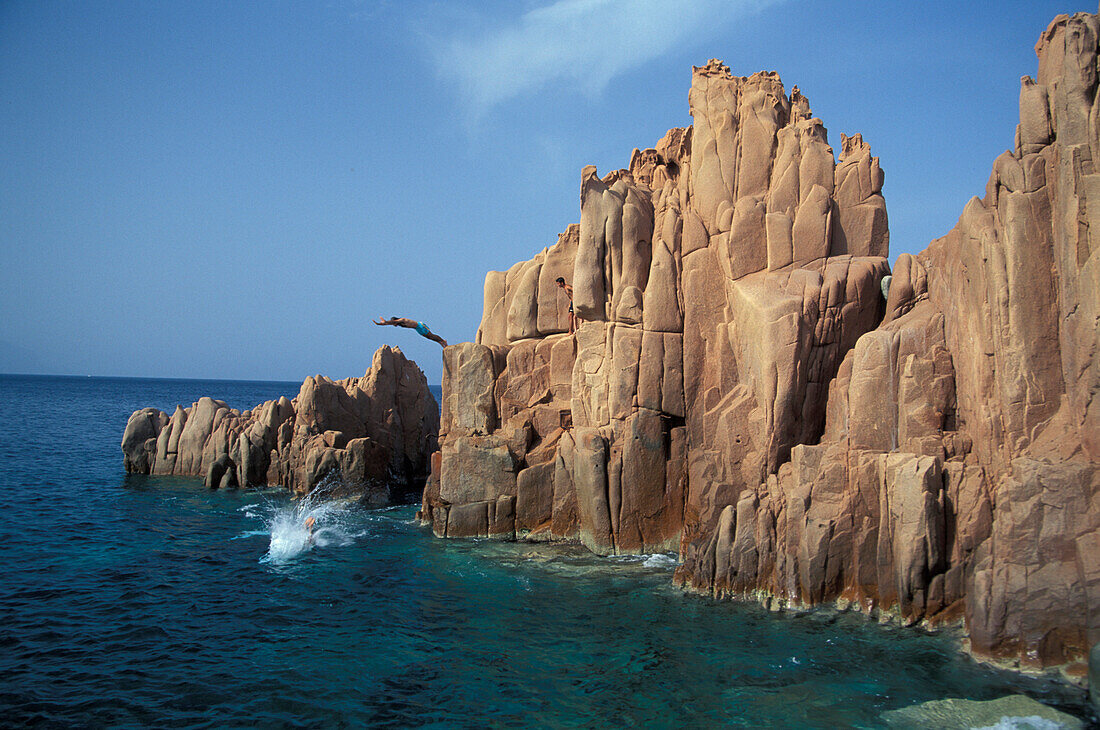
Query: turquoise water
(142,601)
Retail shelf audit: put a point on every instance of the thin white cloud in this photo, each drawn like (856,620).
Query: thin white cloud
(582,43)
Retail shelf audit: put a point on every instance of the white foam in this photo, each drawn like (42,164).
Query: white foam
(290,537)
(250,533)
(1031,722)
(659,560)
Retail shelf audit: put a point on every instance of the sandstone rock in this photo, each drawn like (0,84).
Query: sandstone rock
(590,481)
(372,436)
(494,323)
(142,427)
(553,304)
(502,518)
(650,506)
(628,372)
(956,714)
(476,469)
(1037,578)
(217,471)
(468,520)
(469,374)
(749,381)
(535,498)
(861,226)
(523,310)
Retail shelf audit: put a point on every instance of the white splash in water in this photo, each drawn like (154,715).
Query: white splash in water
(660,560)
(649,560)
(310,522)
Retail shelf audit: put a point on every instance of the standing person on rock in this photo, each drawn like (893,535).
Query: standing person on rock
(569,293)
(420,327)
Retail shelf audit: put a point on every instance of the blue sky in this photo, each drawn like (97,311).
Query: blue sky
(233,190)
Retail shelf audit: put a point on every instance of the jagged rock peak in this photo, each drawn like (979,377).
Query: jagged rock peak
(371,435)
(713,67)
(748,382)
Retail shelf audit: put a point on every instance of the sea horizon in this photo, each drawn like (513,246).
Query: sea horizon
(160,377)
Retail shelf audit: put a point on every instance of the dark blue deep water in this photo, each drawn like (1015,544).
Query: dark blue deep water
(137,601)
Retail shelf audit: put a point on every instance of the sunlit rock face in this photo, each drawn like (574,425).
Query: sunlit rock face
(371,436)
(750,385)
(717,283)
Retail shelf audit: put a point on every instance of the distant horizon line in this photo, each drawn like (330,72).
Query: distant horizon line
(151,377)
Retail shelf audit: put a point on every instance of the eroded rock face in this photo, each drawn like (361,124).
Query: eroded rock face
(750,384)
(372,435)
(718,283)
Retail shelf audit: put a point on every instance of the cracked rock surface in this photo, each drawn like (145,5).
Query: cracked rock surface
(372,436)
(752,386)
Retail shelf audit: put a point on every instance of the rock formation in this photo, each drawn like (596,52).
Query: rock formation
(372,436)
(719,282)
(750,385)
(958,714)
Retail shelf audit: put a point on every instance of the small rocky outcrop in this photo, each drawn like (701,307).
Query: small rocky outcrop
(372,436)
(749,383)
(1016,711)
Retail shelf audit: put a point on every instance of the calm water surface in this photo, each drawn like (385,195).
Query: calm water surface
(151,601)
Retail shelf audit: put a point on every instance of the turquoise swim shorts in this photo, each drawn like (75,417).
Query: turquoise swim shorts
(422,328)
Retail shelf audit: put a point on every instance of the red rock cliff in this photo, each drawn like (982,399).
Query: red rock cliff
(372,435)
(748,386)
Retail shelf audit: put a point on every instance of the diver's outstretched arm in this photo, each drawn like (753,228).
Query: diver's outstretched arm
(396,322)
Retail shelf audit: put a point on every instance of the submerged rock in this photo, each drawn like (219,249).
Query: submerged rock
(372,436)
(1015,712)
(742,386)
(1094,675)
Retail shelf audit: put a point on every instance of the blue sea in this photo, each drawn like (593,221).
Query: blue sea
(150,601)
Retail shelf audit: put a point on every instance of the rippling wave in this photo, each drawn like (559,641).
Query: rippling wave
(151,601)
